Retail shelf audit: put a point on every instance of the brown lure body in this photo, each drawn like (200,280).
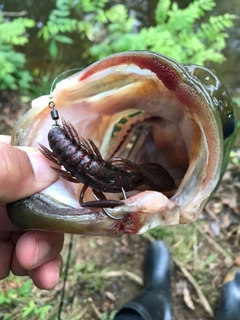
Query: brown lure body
(84,164)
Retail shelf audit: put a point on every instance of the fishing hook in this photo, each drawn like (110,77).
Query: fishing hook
(106,211)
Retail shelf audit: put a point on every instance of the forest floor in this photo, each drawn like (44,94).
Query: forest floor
(105,273)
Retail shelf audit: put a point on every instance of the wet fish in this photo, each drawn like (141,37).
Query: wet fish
(145,107)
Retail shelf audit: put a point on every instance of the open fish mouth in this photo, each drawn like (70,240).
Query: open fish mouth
(146,108)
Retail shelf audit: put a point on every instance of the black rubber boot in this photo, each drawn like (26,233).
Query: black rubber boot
(155,302)
(229,303)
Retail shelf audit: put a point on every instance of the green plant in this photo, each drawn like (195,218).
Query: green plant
(106,29)
(31,308)
(13,295)
(58,25)
(234,157)
(20,297)
(12,72)
(176,33)
(111,316)
(61,22)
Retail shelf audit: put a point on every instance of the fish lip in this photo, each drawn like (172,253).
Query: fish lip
(58,217)
(178,202)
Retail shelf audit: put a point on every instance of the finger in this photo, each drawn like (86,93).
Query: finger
(16,268)
(16,235)
(25,173)
(5,235)
(46,276)
(6,251)
(5,224)
(35,248)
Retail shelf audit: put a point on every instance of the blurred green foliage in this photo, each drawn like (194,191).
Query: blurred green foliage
(175,32)
(61,22)
(21,295)
(12,63)
(178,33)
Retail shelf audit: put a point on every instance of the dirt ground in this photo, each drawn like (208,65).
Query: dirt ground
(105,273)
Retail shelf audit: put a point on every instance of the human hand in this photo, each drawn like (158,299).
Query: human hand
(33,253)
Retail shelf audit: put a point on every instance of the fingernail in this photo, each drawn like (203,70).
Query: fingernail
(58,270)
(41,168)
(42,251)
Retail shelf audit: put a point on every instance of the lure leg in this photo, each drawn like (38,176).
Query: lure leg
(65,175)
(48,154)
(73,135)
(123,163)
(101,200)
(95,150)
(106,211)
(153,174)
(71,131)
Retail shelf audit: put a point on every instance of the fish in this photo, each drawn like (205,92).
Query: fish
(144,107)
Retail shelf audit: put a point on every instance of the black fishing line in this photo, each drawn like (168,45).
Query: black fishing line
(65,276)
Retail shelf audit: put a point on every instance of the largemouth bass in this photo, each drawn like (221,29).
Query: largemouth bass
(144,107)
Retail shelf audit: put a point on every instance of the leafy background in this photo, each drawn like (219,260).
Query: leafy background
(107,29)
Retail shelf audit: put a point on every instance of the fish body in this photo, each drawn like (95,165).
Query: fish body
(146,108)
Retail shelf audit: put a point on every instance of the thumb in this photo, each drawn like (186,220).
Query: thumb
(23,172)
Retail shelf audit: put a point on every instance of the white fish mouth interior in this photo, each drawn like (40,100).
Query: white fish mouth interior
(141,121)
(141,138)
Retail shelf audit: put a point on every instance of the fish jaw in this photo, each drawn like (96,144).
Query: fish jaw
(171,101)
